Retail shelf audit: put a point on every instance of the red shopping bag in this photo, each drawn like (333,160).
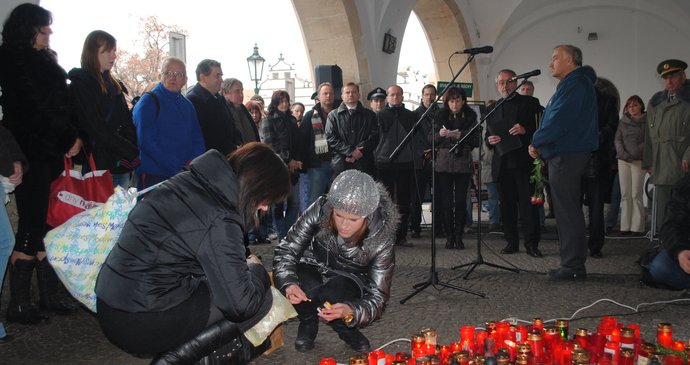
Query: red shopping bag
(73,192)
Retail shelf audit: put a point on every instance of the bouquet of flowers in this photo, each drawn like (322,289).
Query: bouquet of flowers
(539,180)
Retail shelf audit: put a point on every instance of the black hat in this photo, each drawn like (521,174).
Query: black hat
(376,93)
(670,66)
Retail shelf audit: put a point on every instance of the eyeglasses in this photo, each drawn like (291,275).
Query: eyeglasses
(173,73)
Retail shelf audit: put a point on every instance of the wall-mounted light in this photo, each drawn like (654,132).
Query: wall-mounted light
(593,36)
(389,43)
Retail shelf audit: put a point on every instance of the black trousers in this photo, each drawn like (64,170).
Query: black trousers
(593,189)
(156,332)
(565,177)
(398,182)
(32,206)
(452,188)
(320,288)
(515,192)
(421,186)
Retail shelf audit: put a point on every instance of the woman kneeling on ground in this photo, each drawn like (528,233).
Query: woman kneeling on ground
(180,273)
(340,251)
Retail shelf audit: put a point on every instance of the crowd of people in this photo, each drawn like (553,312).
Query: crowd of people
(335,184)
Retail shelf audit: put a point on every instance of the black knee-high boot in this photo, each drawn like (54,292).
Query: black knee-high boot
(48,286)
(352,336)
(214,345)
(20,309)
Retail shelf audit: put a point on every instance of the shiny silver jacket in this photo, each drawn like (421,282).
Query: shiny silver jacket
(309,242)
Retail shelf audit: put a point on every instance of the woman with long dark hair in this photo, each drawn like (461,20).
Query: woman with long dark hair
(180,270)
(98,103)
(454,168)
(279,130)
(36,110)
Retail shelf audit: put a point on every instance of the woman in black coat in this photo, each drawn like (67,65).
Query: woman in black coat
(35,109)
(454,168)
(98,103)
(180,269)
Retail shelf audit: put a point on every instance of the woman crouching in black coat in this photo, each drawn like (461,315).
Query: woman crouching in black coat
(180,270)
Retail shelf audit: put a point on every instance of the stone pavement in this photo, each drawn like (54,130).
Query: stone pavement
(77,339)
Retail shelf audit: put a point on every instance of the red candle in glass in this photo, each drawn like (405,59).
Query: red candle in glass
(615,335)
(327,361)
(417,353)
(417,343)
(678,346)
(566,353)
(635,328)
(664,335)
(673,359)
(613,348)
(537,343)
(627,338)
(605,359)
(455,346)
(538,324)
(375,355)
(467,335)
(430,349)
(445,353)
(481,337)
(520,333)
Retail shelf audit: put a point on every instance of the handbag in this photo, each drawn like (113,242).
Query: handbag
(73,192)
(78,248)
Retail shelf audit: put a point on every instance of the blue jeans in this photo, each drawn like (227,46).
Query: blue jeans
(320,177)
(6,244)
(285,213)
(665,270)
(492,203)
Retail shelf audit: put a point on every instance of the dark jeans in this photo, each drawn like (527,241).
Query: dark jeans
(665,270)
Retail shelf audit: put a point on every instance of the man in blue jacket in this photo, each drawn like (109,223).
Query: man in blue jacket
(566,137)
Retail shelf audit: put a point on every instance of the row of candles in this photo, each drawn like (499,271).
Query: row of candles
(501,343)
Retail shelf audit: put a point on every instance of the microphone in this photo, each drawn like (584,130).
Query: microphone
(526,75)
(485,49)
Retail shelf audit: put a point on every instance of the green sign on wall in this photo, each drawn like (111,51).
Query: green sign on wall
(465,85)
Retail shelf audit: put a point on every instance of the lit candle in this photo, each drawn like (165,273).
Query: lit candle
(678,346)
(480,347)
(327,361)
(613,348)
(664,335)
(417,343)
(673,359)
(467,335)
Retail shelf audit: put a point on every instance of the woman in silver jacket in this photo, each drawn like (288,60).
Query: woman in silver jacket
(340,251)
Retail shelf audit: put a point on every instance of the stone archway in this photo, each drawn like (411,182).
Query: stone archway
(333,35)
(332,32)
(446,31)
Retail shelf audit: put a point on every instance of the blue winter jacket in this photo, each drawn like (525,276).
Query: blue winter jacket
(570,121)
(168,132)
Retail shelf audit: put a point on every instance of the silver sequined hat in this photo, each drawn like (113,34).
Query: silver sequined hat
(354,192)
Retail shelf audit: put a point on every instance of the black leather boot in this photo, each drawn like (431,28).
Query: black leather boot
(48,286)
(306,334)
(450,232)
(20,309)
(352,337)
(214,345)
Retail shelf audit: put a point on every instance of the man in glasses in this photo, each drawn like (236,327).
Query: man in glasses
(168,131)
(510,130)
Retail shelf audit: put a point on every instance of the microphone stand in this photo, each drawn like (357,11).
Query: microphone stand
(479,260)
(433,273)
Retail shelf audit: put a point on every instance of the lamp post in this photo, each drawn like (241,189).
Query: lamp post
(256,68)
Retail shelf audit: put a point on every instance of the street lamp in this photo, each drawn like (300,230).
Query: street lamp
(256,68)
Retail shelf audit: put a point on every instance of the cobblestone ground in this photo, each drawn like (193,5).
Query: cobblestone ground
(77,339)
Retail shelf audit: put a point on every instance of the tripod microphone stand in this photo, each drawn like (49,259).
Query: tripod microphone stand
(479,260)
(433,273)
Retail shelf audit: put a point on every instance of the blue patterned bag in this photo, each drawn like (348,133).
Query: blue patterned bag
(78,248)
